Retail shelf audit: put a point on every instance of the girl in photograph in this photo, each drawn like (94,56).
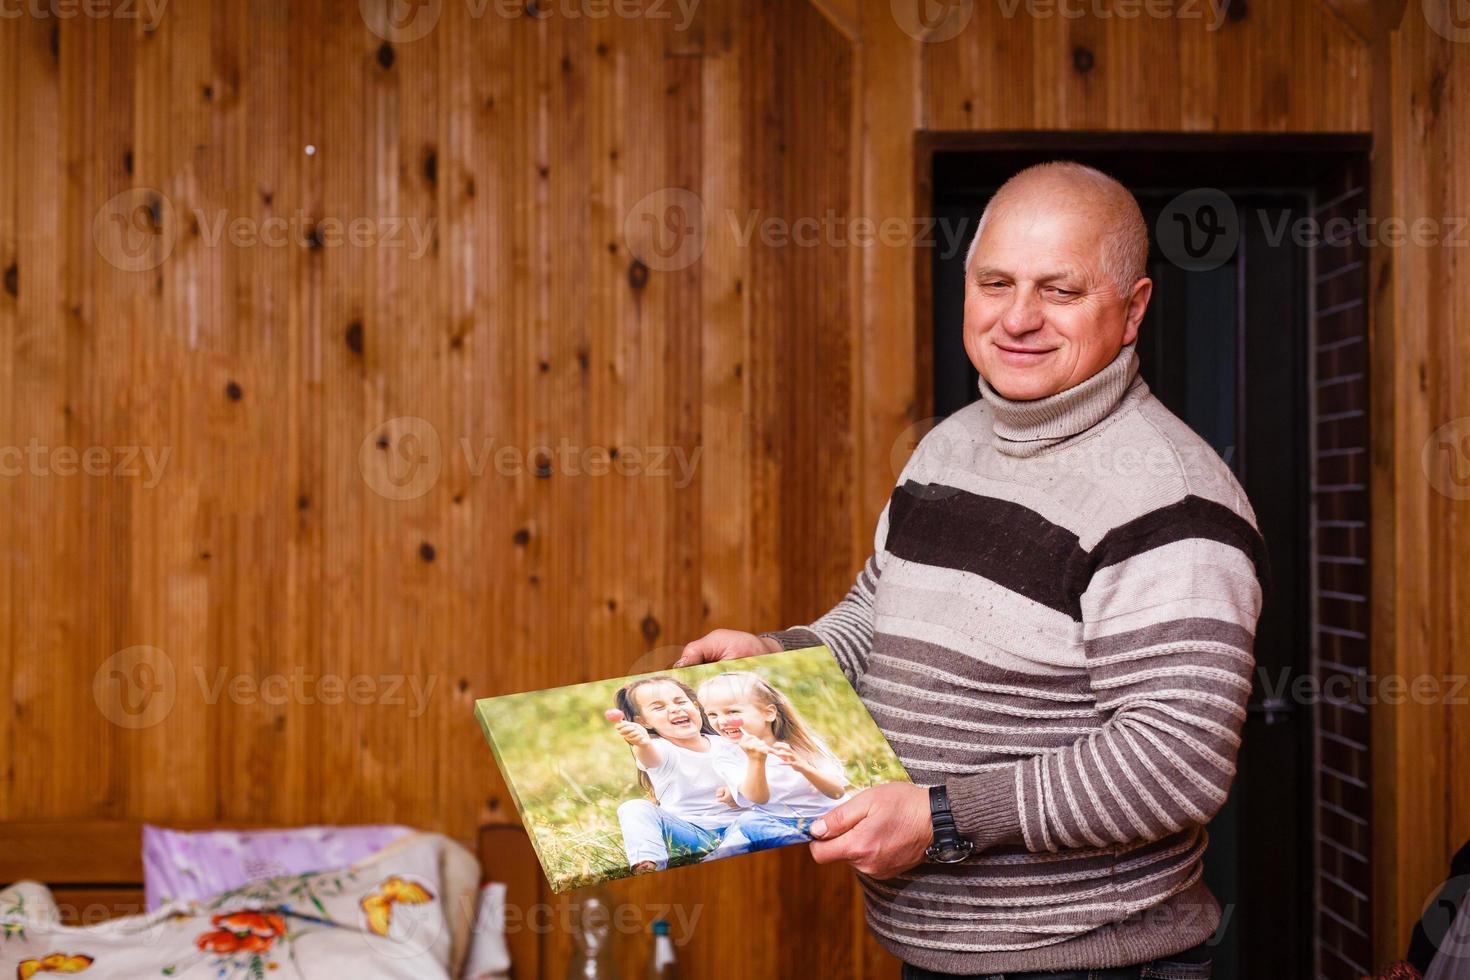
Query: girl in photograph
(790,777)
(680,760)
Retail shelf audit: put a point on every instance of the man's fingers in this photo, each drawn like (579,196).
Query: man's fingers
(839,820)
(830,851)
(692,654)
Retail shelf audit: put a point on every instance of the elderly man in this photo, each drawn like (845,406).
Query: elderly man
(1054,630)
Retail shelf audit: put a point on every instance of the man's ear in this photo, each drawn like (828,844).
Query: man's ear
(1138,299)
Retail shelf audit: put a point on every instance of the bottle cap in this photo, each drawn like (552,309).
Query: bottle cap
(660,927)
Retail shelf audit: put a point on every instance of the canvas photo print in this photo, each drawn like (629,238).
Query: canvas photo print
(638,774)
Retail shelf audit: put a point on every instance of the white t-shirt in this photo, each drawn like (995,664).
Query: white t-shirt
(792,794)
(685,782)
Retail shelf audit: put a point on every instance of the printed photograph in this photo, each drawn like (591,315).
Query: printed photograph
(638,774)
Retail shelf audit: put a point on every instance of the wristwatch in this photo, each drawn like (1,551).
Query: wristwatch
(948,847)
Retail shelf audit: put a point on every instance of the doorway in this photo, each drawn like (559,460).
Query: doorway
(1255,337)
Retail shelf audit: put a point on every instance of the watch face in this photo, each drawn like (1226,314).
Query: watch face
(951,853)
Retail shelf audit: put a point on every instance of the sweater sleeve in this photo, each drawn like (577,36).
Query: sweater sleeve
(1169,613)
(847,628)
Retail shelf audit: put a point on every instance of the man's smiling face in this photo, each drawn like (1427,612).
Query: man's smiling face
(1041,313)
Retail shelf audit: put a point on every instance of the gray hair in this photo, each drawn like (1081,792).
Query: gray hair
(1125,247)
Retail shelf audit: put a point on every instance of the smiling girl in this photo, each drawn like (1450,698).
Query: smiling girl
(679,759)
(791,777)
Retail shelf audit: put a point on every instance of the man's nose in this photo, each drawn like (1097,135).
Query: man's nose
(1024,314)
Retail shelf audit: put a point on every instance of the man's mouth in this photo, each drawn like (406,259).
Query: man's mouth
(1012,354)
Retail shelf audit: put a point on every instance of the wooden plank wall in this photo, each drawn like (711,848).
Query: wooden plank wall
(1420,363)
(295,388)
(333,503)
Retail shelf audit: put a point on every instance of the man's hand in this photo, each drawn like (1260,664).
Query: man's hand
(726,645)
(882,832)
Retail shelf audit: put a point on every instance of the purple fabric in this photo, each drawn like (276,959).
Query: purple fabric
(197,864)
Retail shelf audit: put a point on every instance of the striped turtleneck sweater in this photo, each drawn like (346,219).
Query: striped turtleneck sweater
(1056,623)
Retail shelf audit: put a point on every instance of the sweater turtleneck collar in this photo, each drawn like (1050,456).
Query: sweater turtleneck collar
(1025,428)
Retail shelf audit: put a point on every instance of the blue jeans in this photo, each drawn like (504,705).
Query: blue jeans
(754,830)
(1192,964)
(651,833)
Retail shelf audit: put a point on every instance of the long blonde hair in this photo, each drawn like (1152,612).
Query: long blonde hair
(788,725)
(629,707)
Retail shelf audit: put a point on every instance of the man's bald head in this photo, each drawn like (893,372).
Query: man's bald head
(1055,282)
(1063,184)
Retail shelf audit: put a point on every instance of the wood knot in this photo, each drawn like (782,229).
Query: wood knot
(637,275)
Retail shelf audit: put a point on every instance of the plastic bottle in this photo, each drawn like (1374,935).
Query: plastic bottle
(662,965)
(593,932)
